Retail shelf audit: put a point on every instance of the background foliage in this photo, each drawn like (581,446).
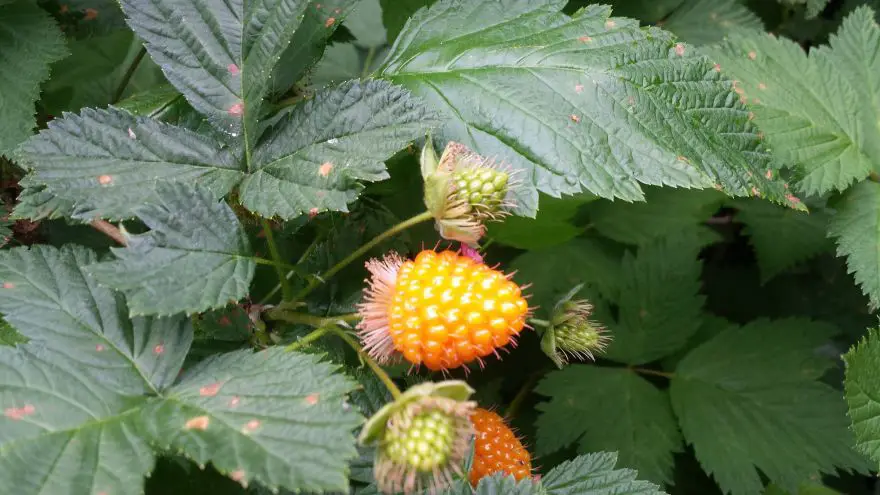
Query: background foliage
(707,168)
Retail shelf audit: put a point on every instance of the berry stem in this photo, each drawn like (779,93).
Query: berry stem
(365,357)
(308,339)
(286,289)
(280,314)
(319,279)
(294,269)
(540,323)
(129,72)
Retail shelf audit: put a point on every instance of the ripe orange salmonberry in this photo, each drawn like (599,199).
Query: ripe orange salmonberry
(497,449)
(441,310)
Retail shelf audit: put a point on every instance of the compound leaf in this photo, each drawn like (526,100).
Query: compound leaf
(219,54)
(62,433)
(660,305)
(314,156)
(857,229)
(275,417)
(804,104)
(196,256)
(108,161)
(609,408)
(862,383)
(706,21)
(47,297)
(29,42)
(750,399)
(594,474)
(578,103)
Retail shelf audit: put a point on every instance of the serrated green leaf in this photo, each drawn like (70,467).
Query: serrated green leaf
(606,111)
(750,399)
(274,417)
(36,203)
(366,24)
(152,102)
(659,303)
(857,229)
(701,22)
(595,474)
(29,42)
(63,433)
(220,55)
(861,385)
(804,104)
(372,393)
(554,224)
(9,335)
(665,211)
(609,408)
(46,296)
(309,41)
(554,271)
(814,7)
(313,158)
(108,161)
(196,256)
(782,237)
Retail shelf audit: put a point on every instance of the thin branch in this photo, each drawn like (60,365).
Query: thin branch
(109,230)
(126,78)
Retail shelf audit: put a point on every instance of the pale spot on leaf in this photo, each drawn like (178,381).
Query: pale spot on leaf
(238,475)
(756,100)
(769,174)
(236,110)
(751,115)
(752,55)
(159,349)
(762,86)
(105,180)
(337,11)
(210,390)
(575,118)
(610,24)
(679,49)
(224,321)
(585,39)
(91,14)
(250,426)
(578,88)
(330,21)
(17,413)
(100,347)
(312,399)
(325,169)
(8,285)
(197,423)
(313,212)
(717,67)
(233,69)
(131,133)
(234,401)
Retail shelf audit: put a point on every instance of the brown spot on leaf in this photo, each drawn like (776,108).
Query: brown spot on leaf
(197,423)
(325,169)
(91,14)
(751,115)
(313,212)
(585,39)
(224,321)
(250,426)
(17,413)
(105,180)
(769,174)
(752,55)
(210,390)
(158,349)
(574,118)
(717,67)
(330,21)
(312,399)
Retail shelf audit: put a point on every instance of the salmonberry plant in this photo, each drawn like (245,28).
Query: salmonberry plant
(439,246)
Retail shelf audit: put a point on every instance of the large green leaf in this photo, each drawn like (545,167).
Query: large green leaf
(275,417)
(750,399)
(554,224)
(196,256)
(782,237)
(29,42)
(804,104)
(395,13)
(578,103)
(46,296)
(219,54)
(314,156)
(108,161)
(857,229)
(659,303)
(64,434)
(605,409)
(706,21)
(665,211)
(862,386)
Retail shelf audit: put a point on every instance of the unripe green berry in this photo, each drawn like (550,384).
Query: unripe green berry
(425,444)
(583,338)
(483,188)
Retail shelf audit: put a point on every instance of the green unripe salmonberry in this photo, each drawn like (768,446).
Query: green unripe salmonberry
(482,187)
(425,444)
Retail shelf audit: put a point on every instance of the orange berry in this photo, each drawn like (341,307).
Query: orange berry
(442,309)
(497,449)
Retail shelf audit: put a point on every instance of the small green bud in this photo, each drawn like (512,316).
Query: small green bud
(572,333)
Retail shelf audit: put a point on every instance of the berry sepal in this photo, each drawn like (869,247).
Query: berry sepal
(572,334)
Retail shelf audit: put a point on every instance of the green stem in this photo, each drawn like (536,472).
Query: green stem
(126,78)
(521,395)
(294,269)
(540,323)
(280,314)
(646,371)
(308,339)
(286,289)
(320,279)
(374,366)
(368,61)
